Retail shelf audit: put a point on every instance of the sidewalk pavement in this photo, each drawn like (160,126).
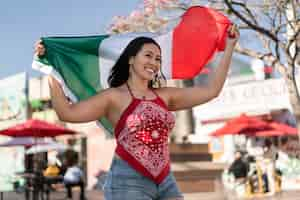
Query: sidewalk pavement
(98,195)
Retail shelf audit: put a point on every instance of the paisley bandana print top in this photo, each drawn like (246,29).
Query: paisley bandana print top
(142,137)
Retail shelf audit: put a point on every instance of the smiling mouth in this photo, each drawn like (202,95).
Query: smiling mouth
(150,70)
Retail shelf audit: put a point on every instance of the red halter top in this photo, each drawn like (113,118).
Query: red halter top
(142,137)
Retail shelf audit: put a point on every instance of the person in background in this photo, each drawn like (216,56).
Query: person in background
(255,146)
(52,169)
(282,159)
(270,154)
(270,150)
(239,168)
(73,177)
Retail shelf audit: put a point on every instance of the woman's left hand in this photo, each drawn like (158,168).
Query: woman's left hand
(233,35)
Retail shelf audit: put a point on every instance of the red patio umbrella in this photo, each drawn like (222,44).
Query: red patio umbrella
(36,128)
(243,124)
(270,133)
(284,128)
(277,129)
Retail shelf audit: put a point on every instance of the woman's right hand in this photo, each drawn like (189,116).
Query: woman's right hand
(39,48)
(53,83)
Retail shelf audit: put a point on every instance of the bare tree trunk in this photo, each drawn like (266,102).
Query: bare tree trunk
(294,98)
(291,78)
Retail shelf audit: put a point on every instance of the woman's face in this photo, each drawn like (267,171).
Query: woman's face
(147,62)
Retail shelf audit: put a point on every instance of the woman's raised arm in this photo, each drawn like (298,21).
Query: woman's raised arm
(84,111)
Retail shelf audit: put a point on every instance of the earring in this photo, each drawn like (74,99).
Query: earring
(157,81)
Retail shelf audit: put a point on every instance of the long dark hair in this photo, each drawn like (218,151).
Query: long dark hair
(119,73)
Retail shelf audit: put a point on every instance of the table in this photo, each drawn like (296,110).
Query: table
(38,184)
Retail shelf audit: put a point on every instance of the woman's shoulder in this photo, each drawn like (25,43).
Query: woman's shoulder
(115,93)
(120,90)
(112,92)
(165,93)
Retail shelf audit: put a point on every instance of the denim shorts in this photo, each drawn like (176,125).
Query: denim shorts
(125,183)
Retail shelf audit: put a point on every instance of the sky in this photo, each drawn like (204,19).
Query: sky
(23,22)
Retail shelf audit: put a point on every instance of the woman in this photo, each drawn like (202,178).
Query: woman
(141,116)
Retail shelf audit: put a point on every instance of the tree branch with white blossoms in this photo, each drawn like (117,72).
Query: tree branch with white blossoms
(147,19)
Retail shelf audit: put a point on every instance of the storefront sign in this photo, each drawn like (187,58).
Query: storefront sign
(12,111)
(12,100)
(256,97)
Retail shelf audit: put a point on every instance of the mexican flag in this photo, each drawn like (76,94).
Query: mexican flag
(82,64)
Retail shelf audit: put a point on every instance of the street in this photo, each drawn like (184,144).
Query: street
(97,195)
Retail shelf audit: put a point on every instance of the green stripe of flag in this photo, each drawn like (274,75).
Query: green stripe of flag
(76,60)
